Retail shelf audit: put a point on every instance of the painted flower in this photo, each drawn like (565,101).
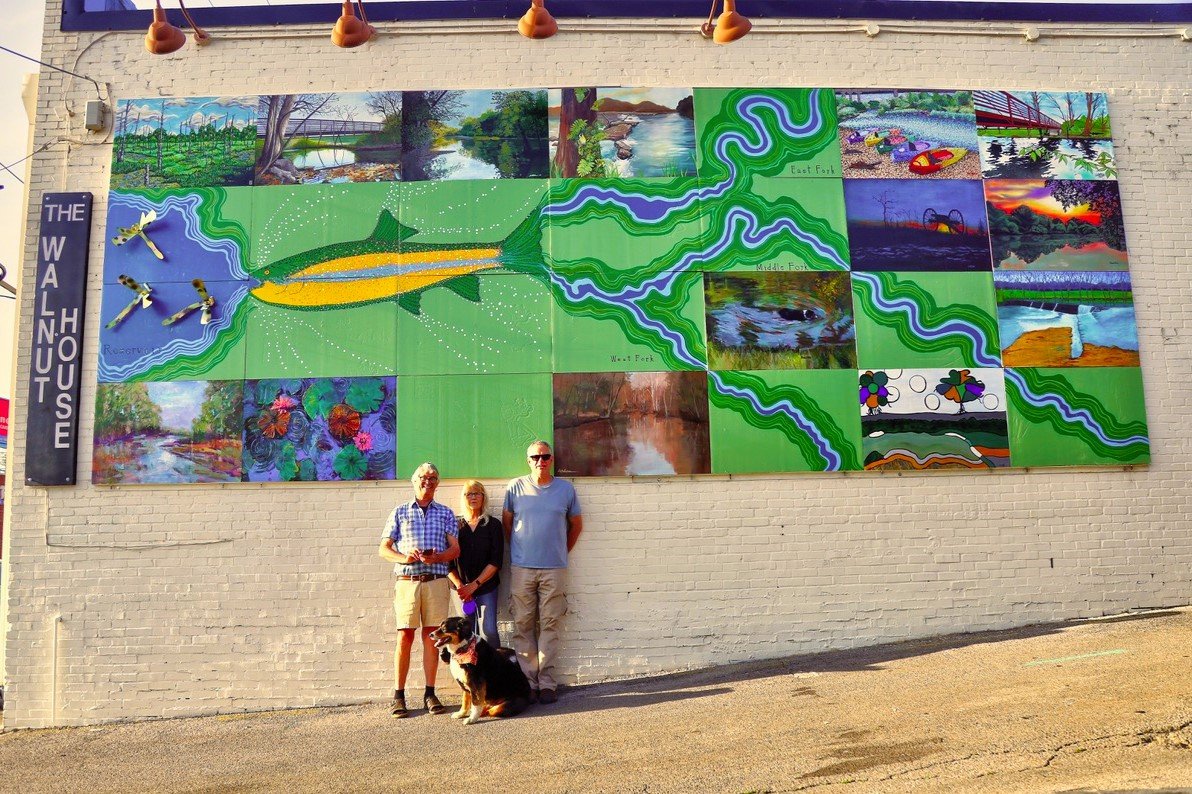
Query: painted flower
(363,441)
(284,402)
(343,422)
(273,424)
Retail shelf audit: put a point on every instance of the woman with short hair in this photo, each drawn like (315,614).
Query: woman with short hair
(476,573)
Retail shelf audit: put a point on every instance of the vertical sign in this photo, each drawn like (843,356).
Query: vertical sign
(52,430)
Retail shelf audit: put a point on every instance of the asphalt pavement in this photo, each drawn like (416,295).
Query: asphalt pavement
(1099,705)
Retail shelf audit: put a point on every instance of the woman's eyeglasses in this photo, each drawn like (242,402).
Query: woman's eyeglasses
(474,493)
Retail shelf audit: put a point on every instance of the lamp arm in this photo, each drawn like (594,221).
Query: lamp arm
(201,36)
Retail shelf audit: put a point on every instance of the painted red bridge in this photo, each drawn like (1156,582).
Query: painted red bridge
(1003,109)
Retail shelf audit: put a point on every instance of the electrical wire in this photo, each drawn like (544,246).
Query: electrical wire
(98,92)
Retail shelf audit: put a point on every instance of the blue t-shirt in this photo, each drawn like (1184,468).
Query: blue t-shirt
(540,514)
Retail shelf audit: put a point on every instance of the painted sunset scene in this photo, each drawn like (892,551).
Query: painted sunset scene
(167,432)
(1065,319)
(1056,224)
(897,134)
(933,419)
(780,320)
(184,142)
(628,132)
(473,135)
(916,225)
(316,138)
(622,423)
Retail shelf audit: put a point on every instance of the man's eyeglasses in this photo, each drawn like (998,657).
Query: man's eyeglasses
(543,456)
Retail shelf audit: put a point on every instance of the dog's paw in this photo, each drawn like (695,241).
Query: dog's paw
(459,715)
(470,721)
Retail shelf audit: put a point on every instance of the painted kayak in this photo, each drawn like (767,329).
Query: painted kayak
(875,136)
(854,137)
(907,151)
(887,144)
(935,160)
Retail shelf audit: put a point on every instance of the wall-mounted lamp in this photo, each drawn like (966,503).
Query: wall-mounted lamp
(537,23)
(164,38)
(350,31)
(730,25)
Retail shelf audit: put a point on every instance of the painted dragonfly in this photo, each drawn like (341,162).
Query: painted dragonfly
(205,302)
(142,297)
(126,233)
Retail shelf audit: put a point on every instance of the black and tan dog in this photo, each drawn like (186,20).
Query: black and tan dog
(491,678)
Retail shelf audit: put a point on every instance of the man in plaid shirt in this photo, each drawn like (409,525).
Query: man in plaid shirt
(420,539)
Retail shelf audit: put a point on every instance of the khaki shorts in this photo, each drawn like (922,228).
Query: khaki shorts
(421,603)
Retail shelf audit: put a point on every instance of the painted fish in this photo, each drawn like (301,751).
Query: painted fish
(387,266)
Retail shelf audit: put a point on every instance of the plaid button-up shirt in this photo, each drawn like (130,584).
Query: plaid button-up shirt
(410,528)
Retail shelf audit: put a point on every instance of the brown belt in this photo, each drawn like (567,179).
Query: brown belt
(422,577)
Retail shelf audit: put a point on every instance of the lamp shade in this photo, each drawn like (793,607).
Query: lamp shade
(537,23)
(349,30)
(730,25)
(163,37)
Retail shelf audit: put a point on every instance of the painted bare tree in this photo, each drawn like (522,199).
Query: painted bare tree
(278,110)
(1094,104)
(886,202)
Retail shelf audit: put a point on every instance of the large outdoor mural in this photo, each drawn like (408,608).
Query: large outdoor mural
(663,281)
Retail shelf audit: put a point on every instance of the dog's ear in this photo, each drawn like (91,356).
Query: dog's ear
(465,629)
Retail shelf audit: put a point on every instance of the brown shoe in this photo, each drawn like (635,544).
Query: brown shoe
(533,696)
(433,705)
(399,710)
(547,696)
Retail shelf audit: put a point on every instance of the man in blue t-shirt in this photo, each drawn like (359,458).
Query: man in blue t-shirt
(542,522)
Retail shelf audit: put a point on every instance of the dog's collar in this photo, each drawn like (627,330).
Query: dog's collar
(466,654)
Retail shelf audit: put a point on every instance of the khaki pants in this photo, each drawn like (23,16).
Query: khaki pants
(539,605)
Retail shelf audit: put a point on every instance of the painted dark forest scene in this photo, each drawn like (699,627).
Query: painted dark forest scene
(620,423)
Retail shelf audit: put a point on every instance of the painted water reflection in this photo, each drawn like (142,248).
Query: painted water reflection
(617,423)
(639,444)
(1049,158)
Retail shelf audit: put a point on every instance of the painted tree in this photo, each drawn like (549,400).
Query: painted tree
(522,114)
(578,150)
(1094,104)
(1101,196)
(886,202)
(960,387)
(278,110)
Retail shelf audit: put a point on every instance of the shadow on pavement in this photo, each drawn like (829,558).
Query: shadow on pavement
(677,686)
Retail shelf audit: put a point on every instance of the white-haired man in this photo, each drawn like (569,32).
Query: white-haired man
(420,539)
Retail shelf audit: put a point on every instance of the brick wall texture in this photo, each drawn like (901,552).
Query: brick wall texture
(165,601)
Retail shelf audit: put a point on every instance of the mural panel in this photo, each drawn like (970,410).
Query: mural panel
(664,280)
(1071,417)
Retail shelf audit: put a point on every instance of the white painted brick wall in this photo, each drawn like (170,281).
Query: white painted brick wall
(273,595)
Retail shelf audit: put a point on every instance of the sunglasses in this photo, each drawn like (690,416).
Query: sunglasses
(543,456)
